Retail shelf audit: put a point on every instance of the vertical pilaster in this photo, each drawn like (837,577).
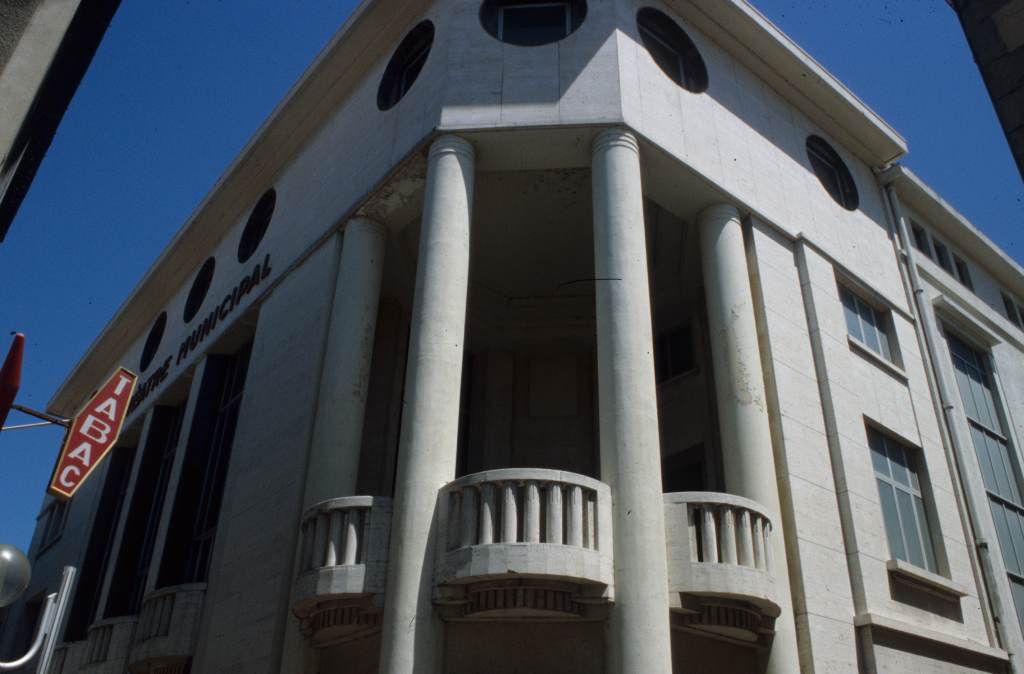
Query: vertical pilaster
(412,634)
(628,407)
(747,457)
(341,405)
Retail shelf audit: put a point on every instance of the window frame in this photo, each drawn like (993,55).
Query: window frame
(564,4)
(963,272)
(1010,309)
(882,325)
(55,516)
(943,256)
(921,240)
(690,71)
(826,162)
(916,493)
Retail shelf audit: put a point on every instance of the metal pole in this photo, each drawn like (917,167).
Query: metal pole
(42,415)
(49,627)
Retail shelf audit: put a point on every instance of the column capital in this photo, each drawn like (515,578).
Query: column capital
(718,212)
(363,223)
(451,144)
(615,136)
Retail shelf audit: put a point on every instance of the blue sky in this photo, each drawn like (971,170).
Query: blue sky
(177,88)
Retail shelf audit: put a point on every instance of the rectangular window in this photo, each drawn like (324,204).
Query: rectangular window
(867,325)
(998,461)
(673,353)
(1011,310)
(143,517)
(534,24)
(899,490)
(942,257)
(921,239)
(197,501)
(962,272)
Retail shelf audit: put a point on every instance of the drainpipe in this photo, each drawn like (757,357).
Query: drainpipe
(977,506)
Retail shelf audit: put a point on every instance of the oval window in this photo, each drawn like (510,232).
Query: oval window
(405,65)
(200,286)
(672,49)
(832,172)
(256,225)
(530,23)
(156,335)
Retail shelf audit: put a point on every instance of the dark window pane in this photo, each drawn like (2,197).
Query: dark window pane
(533,25)
(926,542)
(908,524)
(892,520)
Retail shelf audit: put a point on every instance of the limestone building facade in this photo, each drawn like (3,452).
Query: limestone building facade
(561,336)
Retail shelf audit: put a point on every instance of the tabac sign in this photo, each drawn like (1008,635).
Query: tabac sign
(92,433)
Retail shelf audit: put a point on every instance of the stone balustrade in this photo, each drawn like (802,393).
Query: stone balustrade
(107,645)
(68,657)
(343,553)
(525,523)
(165,636)
(719,547)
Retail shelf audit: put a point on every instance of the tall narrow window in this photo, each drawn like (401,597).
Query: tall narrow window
(1000,468)
(867,325)
(1011,310)
(962,272)
(921,239)
(143,520)
(204,471)
(673,353)
(899,490)
(942,257)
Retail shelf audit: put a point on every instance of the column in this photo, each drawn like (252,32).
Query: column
(747,456)
(345,377)
(412,634)
(630,449)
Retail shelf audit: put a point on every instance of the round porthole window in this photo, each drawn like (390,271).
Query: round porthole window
(256,225)
(672,49)
(156,335)
(832,172)
(200,286)
(528,23)
(405,65)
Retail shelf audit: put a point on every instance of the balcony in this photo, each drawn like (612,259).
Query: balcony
(524,543)
(165,636)
(720,566)
(68,657)
(107,645)
(339,592)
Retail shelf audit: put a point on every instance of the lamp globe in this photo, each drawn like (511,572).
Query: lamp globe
(15,572)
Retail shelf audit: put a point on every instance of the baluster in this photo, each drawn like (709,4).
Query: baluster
(709,537)
(759,561)
(575,533)
(454,529)
(509,516)
(487,514)
(769,559)
(531,516)
(319,539)
(555,514)
(728,535)
(333,538)
(351,537)
(469,518)
(691,527)
(746,540)
(590,528)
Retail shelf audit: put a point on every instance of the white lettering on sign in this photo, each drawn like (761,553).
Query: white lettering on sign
(92,434)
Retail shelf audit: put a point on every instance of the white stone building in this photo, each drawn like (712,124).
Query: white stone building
(568,336)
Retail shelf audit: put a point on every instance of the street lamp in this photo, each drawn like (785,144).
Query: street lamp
(15,573)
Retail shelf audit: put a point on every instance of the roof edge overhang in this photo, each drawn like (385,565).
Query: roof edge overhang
(763,48)
(954,227)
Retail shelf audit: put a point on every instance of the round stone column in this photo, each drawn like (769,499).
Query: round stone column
(345,378)
(747,456)
(412,634)
(639,639)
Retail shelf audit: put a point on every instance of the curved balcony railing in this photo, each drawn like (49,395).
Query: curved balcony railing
(168,628)
(344,551)
(107,645)
(720,545)
(525,523)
